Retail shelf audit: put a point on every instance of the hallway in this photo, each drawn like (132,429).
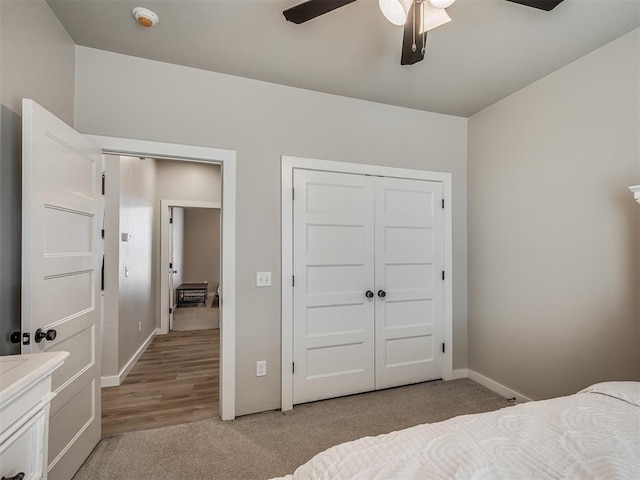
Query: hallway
(175,381)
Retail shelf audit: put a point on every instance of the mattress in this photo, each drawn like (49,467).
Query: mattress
(594,434)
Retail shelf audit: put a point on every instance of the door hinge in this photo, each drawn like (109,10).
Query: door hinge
(170,265)
(293,194)
(443,203)
(26,338)
(293,367)
(293,281)
(102,233)
(103,182)
(170,310)
(170,219)
(443,348)
(442,274)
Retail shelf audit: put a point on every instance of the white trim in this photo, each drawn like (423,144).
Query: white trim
(636,192)
(497,387)
(227,159)
(116,380)
(459,373)
(288,164)
(164,253)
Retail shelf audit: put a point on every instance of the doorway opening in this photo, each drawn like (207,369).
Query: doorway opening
(226,161)
(174,377)
(193,266)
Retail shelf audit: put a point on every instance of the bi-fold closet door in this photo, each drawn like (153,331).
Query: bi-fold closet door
(368,289)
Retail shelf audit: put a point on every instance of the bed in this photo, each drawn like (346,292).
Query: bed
(592,434)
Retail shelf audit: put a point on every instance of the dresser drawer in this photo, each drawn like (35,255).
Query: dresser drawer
(25,449)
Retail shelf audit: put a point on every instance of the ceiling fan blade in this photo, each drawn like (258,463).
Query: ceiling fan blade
(409,57)
(541,4)
(311,9)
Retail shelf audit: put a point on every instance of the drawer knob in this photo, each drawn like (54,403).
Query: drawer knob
(18,476)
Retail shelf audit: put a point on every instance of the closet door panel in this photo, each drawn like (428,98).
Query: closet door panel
(333,243)
(409,260)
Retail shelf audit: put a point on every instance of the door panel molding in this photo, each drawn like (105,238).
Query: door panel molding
(288,164)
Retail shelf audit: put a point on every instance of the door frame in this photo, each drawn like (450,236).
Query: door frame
(227,161)
(288,163)
(164,253)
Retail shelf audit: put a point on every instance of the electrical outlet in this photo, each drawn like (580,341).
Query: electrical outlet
(139,327)
(261,368)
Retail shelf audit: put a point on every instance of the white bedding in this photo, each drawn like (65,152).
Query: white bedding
(594,434)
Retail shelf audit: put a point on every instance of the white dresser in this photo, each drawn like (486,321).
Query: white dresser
(25,395)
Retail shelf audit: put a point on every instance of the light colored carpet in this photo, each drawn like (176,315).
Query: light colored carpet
(186,319)
(270,444)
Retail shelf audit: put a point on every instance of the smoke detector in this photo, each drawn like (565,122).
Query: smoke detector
(145,17)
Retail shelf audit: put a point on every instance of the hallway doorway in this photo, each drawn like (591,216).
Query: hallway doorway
(226,160)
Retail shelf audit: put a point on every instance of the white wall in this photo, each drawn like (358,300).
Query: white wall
(263,121)
(554,234)
(37,61)
(202,246)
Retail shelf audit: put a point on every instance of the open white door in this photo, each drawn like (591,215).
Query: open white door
(61,211)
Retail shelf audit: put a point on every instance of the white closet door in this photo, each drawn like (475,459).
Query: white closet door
(333,331)
(409,286)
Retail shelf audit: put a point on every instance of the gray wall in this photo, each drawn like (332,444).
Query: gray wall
(202,246)
(137,290)
(37,62)
(261,122)
(554,234)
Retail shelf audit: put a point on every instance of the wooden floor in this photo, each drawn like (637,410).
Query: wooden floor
(175,381)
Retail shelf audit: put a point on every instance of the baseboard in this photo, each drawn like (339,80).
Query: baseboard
(116,380)
(459,373)
(496,387)
(110,381)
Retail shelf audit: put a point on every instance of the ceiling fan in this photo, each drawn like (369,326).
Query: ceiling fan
(417,16)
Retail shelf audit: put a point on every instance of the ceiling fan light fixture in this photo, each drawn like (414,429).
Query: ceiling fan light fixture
(395,10)
(441,3)
(433,17)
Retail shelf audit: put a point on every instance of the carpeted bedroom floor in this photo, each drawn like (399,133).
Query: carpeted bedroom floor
(265,445)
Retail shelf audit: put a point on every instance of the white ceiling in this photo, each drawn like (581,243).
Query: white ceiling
(491,49)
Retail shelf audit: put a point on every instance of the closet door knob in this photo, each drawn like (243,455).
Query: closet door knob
(369,294)
(382,293)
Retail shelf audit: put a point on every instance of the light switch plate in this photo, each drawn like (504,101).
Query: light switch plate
(263,279)
(261,368)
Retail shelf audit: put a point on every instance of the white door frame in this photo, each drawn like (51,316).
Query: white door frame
(227,161)
(164,254)
(288,164)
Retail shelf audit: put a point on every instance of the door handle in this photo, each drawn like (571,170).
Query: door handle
(18,476)
(369,294)
(382,293)
(48,335)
